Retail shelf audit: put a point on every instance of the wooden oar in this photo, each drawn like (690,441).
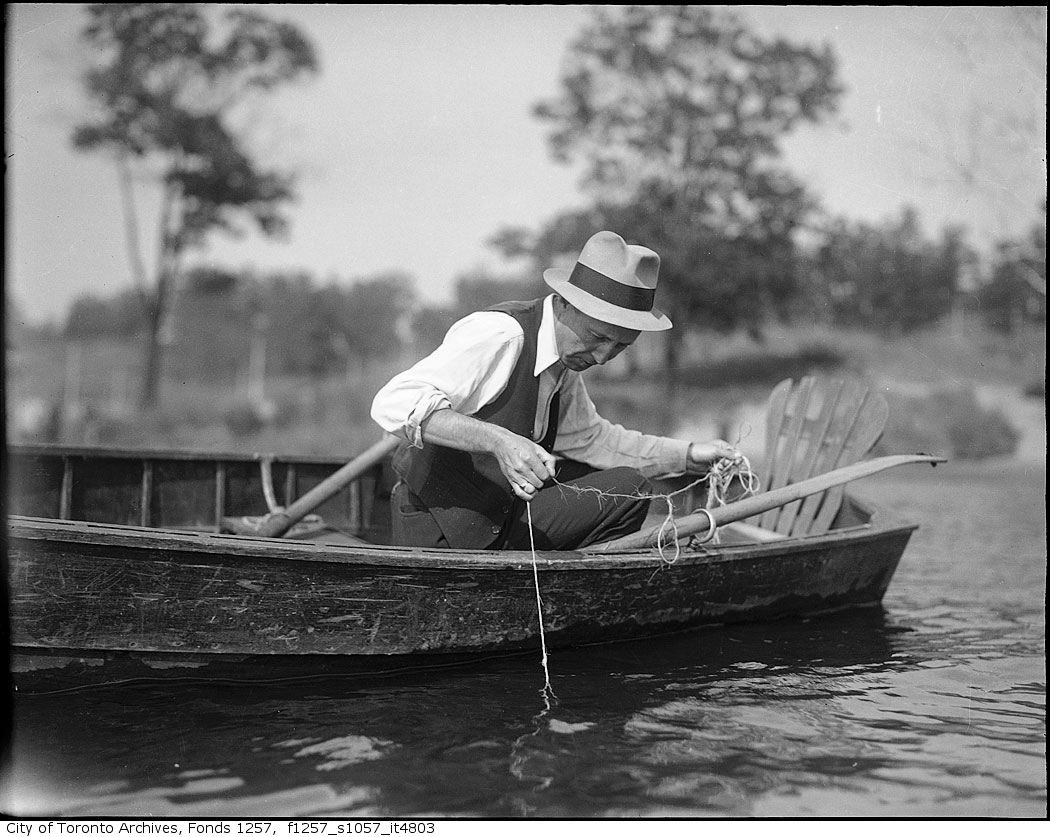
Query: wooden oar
(700,522)
(275,524)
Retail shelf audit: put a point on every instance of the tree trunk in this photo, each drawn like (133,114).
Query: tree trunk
(672,352)
(151,369)
(167,266)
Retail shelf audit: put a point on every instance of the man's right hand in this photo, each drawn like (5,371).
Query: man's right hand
(525,464)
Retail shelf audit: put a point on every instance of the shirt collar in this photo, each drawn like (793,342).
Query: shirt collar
(546,341)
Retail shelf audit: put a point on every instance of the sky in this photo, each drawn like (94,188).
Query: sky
(416,142)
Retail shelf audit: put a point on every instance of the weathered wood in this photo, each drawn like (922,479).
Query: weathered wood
(759,503)
(806,464)
(281,521)
(86,594)
(146,497)
(220,493)
(813,427)
(65,503)
(871,419)
(111,586)
(290,484)
(782,455)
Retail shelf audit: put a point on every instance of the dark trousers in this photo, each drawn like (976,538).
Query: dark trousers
(582,510)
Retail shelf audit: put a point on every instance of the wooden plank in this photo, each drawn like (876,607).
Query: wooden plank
(354,490)
(290,484)
(755,533)
(68,596)
(159,453)
(779,470)
(65,502)
(775,416)
(851,408)
(828,392)
(220,492)
(146,494)
(869,426)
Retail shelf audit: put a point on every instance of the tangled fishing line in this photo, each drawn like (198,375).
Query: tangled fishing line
(719,478)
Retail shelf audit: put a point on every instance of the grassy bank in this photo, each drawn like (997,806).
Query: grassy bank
(943,386)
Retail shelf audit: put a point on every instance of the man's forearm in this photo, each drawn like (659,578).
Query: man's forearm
(525,464)
(455,430)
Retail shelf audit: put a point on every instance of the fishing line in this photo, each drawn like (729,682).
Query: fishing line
(719,478)
(546,691)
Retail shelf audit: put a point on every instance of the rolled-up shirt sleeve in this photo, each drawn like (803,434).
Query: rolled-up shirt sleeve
(585,436)
(468,370)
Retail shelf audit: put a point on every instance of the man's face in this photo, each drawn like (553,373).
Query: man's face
(584,341)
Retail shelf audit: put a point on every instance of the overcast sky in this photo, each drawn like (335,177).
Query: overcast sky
(415,143)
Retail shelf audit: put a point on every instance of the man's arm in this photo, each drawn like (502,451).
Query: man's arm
(466,372)
(434,400)
(525,464)
(585,436)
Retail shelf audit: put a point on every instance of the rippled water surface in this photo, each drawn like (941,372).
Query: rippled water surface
(933,705)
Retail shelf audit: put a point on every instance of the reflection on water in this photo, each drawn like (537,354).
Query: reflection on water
(931,706)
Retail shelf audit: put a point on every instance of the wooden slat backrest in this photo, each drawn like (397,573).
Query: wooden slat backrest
(811,428)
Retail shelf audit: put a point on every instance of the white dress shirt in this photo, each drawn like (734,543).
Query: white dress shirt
(471,368)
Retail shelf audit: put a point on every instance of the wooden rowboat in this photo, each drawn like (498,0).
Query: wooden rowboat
(118,555)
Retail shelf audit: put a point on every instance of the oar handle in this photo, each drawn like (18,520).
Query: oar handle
(701,521)
(276,524)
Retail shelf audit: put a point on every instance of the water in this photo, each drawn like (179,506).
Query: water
(932,706)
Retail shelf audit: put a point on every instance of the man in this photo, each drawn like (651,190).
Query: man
(498,416)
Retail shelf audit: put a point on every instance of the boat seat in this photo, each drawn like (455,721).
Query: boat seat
(814,426)
(329,535)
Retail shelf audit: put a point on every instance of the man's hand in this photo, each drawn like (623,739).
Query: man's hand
(702,455)
(525,464)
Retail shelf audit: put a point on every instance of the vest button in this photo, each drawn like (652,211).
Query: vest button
(496,530)
(506,509)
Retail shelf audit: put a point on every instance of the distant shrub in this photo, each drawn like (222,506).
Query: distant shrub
(246,419)
(753,368)
(950,423)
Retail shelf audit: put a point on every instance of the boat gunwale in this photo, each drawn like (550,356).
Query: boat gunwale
(233,547)
(100,452)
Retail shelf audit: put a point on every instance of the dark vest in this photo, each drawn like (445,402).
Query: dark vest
(466,493)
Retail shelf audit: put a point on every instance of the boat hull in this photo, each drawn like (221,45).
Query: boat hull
(88,588)
(120,556)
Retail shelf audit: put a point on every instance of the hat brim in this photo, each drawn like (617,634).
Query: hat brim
(558,280)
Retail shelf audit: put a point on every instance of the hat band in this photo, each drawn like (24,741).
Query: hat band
(609,290)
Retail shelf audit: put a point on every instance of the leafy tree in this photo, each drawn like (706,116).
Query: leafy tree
(429,325)
(676,113)
(889,276)
(167,82)
(318,329)
(1016,292)
(478,289)
(119,317)
(375,314)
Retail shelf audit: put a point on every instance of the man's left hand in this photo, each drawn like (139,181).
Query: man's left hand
(702,455)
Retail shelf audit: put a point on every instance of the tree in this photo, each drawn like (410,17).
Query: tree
(1016,292)
(167,84)
(478,289)
(118,317)
(676,113)
(890,276)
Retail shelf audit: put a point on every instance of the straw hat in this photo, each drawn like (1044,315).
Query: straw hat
(612,281)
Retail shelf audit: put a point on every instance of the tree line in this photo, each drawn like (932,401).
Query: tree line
(890,277)
(676,115)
